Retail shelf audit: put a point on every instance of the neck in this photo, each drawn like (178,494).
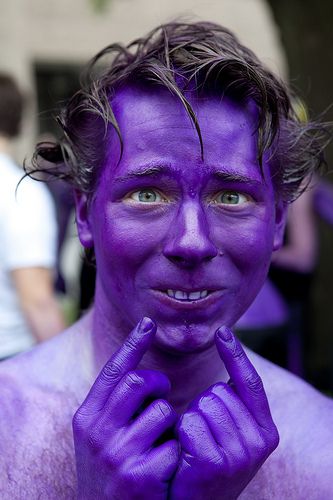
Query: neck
(190,373)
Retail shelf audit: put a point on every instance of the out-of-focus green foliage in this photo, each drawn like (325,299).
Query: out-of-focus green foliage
(100,5)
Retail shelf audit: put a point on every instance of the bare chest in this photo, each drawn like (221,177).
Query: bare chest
(37,451)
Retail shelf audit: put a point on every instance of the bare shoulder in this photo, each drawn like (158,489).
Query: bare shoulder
(40,392)
(303,460)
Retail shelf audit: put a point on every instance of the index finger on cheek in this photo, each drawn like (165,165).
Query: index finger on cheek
(126,358)
(246,380)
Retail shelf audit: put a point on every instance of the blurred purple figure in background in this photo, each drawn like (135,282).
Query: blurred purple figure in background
(278,323)
(29,312)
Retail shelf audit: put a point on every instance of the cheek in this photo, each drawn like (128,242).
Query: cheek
(249,244)
(123,242)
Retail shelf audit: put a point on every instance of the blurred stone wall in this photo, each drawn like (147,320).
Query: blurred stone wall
(62,31)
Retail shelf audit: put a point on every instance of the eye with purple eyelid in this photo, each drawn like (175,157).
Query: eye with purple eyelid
(148,195)
(231,198)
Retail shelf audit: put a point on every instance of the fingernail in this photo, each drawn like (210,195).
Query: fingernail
(225,334)
(146,325)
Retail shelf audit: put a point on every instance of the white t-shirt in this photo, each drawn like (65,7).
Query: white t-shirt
(28,235)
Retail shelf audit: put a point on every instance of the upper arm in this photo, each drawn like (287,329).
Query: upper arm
(33,284)
(29,232)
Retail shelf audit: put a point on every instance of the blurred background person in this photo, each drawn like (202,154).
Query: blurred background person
(279,323)
(63,199)
(29,312)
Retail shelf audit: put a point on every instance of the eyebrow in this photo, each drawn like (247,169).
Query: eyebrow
(158,170)
(227,176)
(146,171)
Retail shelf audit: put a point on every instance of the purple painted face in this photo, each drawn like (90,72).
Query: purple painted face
(182,240)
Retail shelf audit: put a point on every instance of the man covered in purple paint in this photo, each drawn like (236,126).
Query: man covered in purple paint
(184,153)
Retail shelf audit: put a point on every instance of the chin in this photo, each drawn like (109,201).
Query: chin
(184,339)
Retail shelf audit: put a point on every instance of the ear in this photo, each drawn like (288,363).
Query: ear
(82,219)
(281,213)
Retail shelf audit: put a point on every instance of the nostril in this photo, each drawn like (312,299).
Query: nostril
(189,261)
(179,260)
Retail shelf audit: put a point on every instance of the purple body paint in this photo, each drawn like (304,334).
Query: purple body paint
(162,223)
(163,219)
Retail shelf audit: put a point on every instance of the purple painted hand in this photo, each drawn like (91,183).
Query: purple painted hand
(116,434)
(227,433)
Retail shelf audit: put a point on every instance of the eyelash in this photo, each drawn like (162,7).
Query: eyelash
(163,199)
(246,197)
(146,190)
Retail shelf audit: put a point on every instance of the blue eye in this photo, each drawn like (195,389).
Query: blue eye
(231,198)
(146,196)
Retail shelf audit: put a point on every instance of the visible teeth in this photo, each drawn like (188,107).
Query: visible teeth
(180,295)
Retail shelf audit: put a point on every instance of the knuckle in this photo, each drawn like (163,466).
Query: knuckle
(220,389)
(185,422)
(274,438)
(207,400)
(163,408)
(218,462)
(238,352)
(131,344)
(254,383)
(258,446)
(94,441)
(79,422)
(134,477)
(133,380)
(219,386)
(111,372)
(111,459)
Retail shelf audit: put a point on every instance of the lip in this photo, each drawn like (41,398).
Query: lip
(211,298)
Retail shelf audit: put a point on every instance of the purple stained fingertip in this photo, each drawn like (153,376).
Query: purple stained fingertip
(146,325)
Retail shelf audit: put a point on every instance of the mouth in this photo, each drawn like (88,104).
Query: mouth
(183,296)
(190,300)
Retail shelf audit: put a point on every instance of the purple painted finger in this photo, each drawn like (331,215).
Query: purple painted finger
(244,376)
(221,423)
(129,394)
(196,438)
(125,359)
(156,419)
(251,433)
(161,462)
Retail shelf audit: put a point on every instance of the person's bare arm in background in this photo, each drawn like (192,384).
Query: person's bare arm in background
(34,287)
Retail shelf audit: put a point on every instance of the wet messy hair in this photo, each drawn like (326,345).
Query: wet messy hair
(179,56)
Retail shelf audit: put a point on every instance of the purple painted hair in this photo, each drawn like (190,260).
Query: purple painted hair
(179,56)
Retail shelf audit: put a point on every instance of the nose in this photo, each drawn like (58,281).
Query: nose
(188,243)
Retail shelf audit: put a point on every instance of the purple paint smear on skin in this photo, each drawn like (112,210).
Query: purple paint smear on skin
(162,223)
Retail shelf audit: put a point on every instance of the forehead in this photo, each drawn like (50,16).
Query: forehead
(155,128)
